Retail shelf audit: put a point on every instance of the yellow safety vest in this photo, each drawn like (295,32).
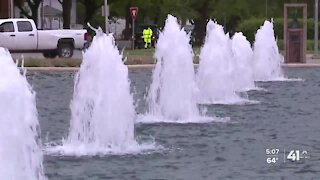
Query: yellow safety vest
(147,33)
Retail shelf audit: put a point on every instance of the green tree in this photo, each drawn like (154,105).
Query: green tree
(226,12)
(230,12)
(203,9)
(66,12)
(91,8)
(32,5)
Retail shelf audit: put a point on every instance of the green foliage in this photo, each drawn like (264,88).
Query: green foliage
(229,12)
(227,9)
(32,63)
(52,63)
(250,26)
(310,44)
(28,8)
(280,44)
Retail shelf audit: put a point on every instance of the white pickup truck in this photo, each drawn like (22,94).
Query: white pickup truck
(21,35)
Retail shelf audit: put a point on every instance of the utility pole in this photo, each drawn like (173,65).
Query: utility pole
(316,30)
(225,22)
(266,9)
(73,18)
(42,16)
(106,14)
(11,9)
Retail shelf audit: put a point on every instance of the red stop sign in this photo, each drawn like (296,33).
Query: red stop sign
(134,12)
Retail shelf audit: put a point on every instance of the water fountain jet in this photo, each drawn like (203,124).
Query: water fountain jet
(215,77)
(266,56)
(171,96)
(243,58)
(102,110)
(21,156)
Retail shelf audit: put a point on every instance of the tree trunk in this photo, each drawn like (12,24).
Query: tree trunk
(91,9)
(127,31)
(200,29)
(33,7)
(66,13)
(232,25)
(200,23)
(89,15)
(183,22)
(34,16)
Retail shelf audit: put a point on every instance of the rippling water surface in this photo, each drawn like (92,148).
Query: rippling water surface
(287,117)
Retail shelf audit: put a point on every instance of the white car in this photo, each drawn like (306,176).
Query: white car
(21,35)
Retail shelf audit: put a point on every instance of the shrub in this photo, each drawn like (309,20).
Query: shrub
(310,44)
(52,63)
(31,63)
(280,44)
(249,27)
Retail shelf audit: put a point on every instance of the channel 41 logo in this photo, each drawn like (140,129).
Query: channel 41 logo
(275,155)
(297,155)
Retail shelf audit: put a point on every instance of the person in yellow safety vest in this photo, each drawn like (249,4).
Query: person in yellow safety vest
(147,34)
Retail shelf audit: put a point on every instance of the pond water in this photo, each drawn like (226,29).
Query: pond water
(286,118)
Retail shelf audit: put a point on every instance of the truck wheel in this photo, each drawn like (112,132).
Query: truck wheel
(50,55)
(65,50)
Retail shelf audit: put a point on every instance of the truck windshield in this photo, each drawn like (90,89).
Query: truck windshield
(7,27)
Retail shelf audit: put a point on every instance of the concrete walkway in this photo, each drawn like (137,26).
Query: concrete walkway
(311,62)
(315,63)
(73,69)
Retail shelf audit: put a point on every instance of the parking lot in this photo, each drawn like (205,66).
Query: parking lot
(77,54)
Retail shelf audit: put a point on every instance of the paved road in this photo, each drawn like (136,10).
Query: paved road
(76,55)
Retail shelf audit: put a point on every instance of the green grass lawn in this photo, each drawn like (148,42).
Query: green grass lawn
(149,52)
(139,52)
(58,62)
(138,56)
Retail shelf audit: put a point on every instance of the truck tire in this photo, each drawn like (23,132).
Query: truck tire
(50,55)
(65,50)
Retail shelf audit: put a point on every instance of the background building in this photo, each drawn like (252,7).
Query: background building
(6,8)
(50,15)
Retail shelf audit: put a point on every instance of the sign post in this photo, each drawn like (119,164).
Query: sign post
(316,28)
(106,14)
(134,13)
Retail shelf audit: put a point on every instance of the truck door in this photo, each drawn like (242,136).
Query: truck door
(26,36)
(7,35)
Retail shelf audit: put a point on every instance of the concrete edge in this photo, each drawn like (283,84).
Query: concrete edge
(301,65)
(72,69)
(53,69)
(137,66)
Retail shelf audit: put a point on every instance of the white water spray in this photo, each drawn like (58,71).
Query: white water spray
(20,152)
(266,56)
(102,110)
(171,95)
(243,58)
(215,77)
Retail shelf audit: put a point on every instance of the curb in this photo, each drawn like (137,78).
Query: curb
(141,66)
